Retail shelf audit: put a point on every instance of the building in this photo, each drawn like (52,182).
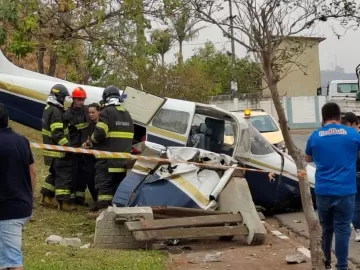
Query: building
(302,72)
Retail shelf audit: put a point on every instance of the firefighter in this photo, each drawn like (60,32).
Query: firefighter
(113,132)
(54,132)
(77,119)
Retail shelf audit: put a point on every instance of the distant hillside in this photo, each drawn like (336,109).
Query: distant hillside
(337,74)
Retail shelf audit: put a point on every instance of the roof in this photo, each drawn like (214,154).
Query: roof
(319,39)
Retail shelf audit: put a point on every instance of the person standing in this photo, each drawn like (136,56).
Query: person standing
(334,149)
(350,119)
(94,111)
(54,132)
(77,119)
(113,132)
(17,187)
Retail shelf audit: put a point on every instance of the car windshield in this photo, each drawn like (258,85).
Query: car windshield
(264,123)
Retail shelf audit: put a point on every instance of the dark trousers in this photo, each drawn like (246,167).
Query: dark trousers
(106,183)
(79,175)
(356,219)
(58,182)
(90,163)
(335,215)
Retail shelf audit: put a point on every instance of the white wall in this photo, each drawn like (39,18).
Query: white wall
(301,112)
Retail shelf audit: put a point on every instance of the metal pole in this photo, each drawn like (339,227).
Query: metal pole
(233,60)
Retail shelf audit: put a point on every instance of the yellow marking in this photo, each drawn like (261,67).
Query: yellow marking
(186,185)
(168,134)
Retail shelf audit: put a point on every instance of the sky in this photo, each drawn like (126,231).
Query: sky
(343,52)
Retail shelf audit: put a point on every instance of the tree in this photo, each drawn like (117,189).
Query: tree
(161,40)
(182,23)
(49,26)
(264,28)
(217,66)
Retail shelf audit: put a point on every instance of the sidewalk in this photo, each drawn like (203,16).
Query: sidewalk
(296,222)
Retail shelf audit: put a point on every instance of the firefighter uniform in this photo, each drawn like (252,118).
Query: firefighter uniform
(78,133)
(54,132)
(113,132)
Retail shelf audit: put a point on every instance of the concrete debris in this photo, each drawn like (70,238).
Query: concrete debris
(216,257)
(295,259)
(86,245)
(53,239)
(71,242)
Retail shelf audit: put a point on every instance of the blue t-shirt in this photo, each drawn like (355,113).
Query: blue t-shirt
(334,150)
(16,198)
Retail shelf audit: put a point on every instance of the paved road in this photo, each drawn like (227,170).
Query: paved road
(297,223)
(300,140)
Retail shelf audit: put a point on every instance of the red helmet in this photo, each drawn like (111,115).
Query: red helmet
(78,92)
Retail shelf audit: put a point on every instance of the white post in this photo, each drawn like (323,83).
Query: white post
(236,103)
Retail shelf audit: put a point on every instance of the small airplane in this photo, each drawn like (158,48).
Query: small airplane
(172,122)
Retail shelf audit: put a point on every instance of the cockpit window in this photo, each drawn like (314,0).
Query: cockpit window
(259,145)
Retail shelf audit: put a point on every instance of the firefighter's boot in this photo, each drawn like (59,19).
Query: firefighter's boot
(48,202)
(66,206)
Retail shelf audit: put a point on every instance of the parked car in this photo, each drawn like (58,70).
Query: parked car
(266,125)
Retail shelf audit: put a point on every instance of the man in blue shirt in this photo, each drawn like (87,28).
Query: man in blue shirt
(334,149)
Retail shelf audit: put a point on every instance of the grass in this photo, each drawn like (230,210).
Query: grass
(38,255)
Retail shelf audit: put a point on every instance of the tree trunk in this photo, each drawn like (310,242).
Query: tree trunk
(52,64)
(306,198)
(163,60)
(40,60)
(180,56)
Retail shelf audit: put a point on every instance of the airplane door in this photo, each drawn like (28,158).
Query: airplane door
(141,105)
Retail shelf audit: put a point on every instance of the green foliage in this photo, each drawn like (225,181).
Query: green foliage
(161,39)
(217,67)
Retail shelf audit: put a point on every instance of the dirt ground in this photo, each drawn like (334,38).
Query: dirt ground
(238,255)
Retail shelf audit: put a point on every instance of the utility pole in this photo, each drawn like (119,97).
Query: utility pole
(234,86)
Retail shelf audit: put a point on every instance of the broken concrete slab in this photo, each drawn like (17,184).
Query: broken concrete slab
(295,259)
(53,239)
(70,242)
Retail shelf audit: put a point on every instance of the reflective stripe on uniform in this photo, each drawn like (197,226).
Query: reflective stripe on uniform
(82,125)
(120,108)
(103,126)
(116,170)
(57,125)
(93,138)
(105,198)
(48,186)
(119,134)
(54,154)
(62,192)
(46,132)
(63,141)
(80,194)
